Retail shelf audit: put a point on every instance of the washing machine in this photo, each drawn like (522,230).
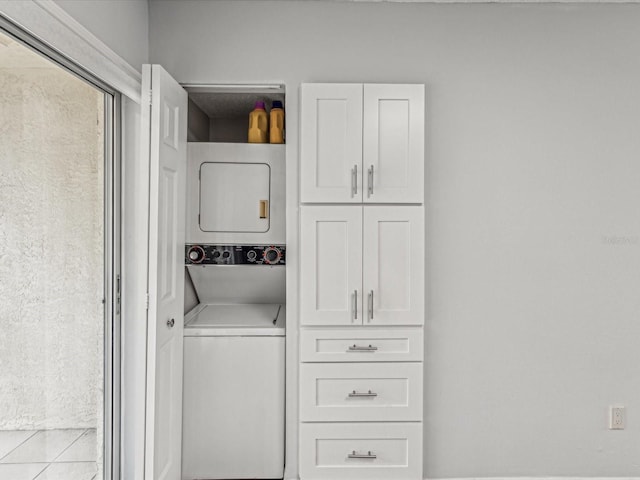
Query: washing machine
(234,363)
(234,334)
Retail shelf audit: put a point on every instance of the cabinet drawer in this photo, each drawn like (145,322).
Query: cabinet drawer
(360,392)
(370,451)
(361,345)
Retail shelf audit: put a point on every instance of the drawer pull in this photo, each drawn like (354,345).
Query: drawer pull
(363,394)
(353,454)
(356,348)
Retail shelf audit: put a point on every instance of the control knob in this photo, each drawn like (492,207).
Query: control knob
(196,254)
(271,255)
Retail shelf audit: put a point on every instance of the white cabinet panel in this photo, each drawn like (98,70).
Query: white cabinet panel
(331,265)
(346,281)
(362,143)
(331,143)
(361,451)
(393,276)
(361,344)
(393,143)
(360,392)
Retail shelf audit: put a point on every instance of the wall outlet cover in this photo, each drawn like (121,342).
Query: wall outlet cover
(617,418)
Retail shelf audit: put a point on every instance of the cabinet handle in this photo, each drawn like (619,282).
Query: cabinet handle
(371,305)
(354,181)
(264,208)
(370,181)
(355,304)
(356,348)
(353,454)
(363,394)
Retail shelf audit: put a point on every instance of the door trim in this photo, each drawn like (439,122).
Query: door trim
(113,287)
(60,34)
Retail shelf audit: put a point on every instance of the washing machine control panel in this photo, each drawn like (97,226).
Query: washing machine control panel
(235,255)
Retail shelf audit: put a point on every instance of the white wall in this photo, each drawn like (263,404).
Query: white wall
(51,245)
(123,25)
(533,225)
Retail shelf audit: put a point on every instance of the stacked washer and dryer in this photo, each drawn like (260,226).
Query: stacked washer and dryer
(234,345)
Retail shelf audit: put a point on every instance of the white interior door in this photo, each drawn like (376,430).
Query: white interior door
(331,143)
(393,265)
(331,265)
(393,139)
(165,123)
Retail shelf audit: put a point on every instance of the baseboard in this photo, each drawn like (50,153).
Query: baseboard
(521,478)
(537,478)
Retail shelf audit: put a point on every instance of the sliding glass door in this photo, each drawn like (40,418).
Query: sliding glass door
(59,268)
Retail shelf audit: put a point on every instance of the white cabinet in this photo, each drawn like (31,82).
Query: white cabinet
(393,143)
(361,281)
(360,392)
(331,143)
(393,265)
(362,265)
(356,344)
(331,265)
(361,451)
(362,143)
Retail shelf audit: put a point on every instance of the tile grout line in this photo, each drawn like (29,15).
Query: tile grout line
(68,447)
(42,471)
(35,432)
(57,463)
(72,443)
(51,463)
(47,464)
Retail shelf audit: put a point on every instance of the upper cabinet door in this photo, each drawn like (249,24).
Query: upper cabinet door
(165,148)
(393,275)
(331,143)
(393,143)
(331,265)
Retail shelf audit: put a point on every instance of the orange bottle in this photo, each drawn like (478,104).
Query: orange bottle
(258,124)
(276,122)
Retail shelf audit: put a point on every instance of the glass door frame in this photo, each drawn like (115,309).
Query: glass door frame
(112,242)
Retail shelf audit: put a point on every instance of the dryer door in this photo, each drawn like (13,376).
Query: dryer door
(234,197)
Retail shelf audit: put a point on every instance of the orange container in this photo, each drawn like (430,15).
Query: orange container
(276,122)
(258,124)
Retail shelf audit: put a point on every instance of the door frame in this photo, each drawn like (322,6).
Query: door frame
(112,242)
(60,32)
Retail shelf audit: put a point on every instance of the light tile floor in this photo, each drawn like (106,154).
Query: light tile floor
(48,454)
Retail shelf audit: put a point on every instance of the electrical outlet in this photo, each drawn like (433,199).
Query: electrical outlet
(617,418)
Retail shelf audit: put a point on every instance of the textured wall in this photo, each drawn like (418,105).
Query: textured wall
(532,218)
(51,251)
